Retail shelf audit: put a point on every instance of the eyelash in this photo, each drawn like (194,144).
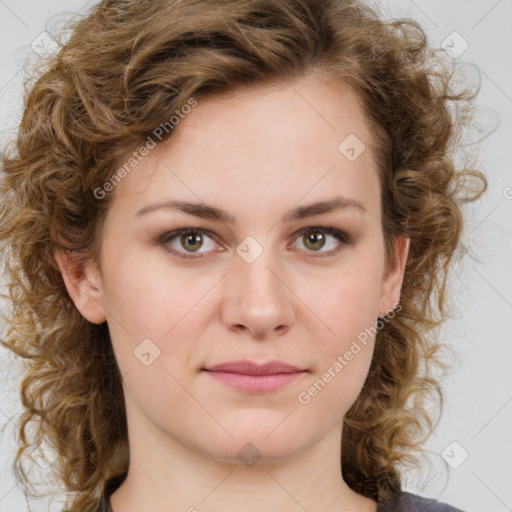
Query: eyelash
(342,237)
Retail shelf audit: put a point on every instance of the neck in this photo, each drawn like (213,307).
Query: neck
(165,472)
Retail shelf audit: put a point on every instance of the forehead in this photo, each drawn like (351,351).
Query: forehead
(269,144)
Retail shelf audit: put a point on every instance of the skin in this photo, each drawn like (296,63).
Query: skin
(276,147)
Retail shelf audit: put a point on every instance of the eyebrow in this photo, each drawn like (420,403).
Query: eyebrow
(205,211)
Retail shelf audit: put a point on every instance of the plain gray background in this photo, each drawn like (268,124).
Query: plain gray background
(474,435)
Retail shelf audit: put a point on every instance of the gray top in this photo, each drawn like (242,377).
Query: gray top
(405,502)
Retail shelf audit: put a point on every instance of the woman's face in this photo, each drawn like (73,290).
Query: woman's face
(273,279)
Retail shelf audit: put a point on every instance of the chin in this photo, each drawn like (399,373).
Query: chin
(256,445)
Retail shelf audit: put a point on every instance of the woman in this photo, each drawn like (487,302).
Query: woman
(227,228)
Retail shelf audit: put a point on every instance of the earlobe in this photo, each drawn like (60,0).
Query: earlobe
(394,276)
(84,286)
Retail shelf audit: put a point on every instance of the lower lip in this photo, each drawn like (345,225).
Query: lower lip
(255,383)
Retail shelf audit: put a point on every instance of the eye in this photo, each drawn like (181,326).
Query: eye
(316,238)
(183,243)
(190,239)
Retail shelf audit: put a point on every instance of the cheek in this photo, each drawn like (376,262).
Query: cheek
(344,352)
(150,298)
(168,305)
(347,301)
(346,307)
(154,320)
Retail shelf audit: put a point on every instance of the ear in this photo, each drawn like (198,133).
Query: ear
(84,285)
(394,276)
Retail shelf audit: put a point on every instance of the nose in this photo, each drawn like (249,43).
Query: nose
(258,299)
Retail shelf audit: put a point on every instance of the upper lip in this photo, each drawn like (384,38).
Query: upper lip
(253,368)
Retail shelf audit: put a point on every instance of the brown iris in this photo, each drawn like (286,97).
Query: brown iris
(315,237)
(188,240)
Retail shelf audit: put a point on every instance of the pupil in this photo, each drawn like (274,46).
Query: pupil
(316,238)
(191,237)
(189,240)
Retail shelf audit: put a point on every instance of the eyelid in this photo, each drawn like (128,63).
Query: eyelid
(168,236)
(338,233)
(343,238)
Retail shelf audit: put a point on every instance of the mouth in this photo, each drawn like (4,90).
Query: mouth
(251,377)
(264,383)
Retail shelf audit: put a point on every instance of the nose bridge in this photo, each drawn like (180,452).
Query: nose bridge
(260,301)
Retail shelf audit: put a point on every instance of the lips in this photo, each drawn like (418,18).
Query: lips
(253,378)
(252,368)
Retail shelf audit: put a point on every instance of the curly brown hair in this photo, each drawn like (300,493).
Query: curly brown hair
(126,66)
